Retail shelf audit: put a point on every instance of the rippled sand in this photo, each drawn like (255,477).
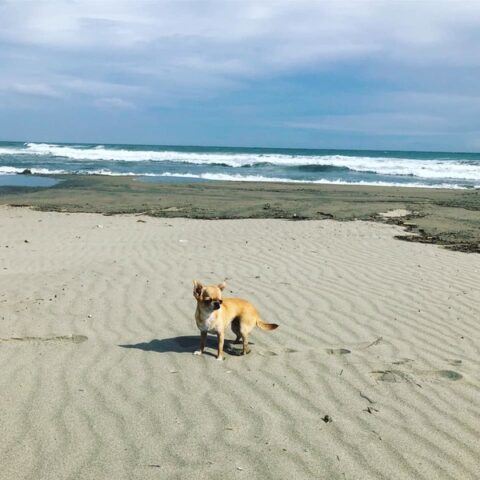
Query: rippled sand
(373,372)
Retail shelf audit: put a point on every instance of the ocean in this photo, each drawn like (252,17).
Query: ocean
(342,167)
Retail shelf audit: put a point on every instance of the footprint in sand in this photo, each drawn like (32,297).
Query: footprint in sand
(356,347)
(338,351)
(454,362)
(270,353)
(403,361)
(447,374)
(398,376)
(50,339)
(392,376)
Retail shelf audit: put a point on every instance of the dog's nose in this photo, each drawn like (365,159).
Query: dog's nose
(216,305)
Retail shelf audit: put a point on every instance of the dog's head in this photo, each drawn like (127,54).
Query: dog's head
(209,297)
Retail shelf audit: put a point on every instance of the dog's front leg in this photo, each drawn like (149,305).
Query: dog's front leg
(221,338)
(203,341)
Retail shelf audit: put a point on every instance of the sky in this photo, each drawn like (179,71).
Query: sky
(357,74)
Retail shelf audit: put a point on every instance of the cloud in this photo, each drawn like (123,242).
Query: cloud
(398,124)
(31,89)
(414,56)
(407,115)
(114,103)
(94,87)
(247,38)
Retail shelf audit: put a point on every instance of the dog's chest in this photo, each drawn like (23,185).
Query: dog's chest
(208,324)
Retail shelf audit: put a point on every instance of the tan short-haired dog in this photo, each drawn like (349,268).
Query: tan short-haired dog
(214,314)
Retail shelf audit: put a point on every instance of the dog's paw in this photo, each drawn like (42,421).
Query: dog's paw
(197,352)
(220,359)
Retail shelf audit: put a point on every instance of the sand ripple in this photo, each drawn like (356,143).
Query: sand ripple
(97,378)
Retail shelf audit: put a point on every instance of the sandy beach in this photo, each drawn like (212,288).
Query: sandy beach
(320,158)
(373,372)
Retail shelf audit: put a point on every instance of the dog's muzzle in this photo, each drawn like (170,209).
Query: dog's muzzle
(216,305)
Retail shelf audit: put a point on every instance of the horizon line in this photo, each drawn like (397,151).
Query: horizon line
(240,147)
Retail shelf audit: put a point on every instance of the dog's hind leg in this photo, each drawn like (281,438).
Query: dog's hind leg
(244,331)
(247,324)
(245,344)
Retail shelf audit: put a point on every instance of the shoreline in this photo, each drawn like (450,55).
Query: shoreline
(446,217)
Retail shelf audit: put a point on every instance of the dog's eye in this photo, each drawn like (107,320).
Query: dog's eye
(208,300)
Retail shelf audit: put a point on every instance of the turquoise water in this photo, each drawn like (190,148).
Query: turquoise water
(367,167)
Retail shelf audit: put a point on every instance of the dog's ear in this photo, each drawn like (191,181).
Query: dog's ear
(197,289)
(222,285)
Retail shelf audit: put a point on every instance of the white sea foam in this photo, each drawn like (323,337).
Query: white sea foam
(4,170)
(259,178)
(39,171)
(440,169)
(11,151)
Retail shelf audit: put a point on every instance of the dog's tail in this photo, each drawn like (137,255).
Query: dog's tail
(266,326)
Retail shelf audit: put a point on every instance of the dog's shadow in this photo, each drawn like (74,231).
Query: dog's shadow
(185,344)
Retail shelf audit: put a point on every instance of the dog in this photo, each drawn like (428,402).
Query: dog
(214,314)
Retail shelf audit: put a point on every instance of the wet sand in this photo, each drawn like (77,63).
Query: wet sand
(441,216)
